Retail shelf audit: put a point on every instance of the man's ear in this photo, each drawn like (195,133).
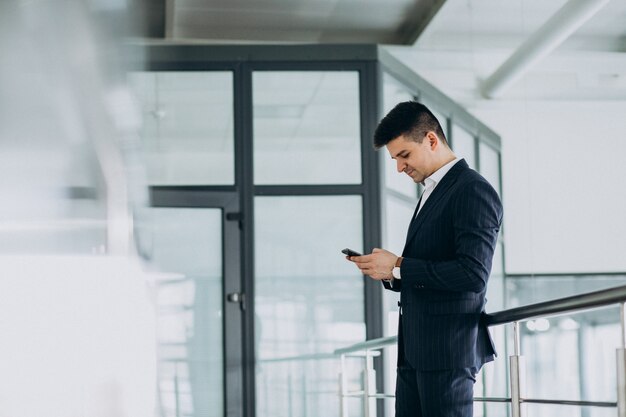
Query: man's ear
(433,140)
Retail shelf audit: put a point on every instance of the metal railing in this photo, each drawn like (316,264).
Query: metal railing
(514,316)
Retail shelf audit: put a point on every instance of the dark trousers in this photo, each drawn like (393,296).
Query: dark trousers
(445,393)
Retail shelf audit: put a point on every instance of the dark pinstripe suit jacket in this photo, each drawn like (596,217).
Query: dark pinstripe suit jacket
(447,261)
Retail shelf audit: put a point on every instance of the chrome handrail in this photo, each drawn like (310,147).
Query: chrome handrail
(368,345)
(565,305)
(557,306)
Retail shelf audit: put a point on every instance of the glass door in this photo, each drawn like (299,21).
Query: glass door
(196,249)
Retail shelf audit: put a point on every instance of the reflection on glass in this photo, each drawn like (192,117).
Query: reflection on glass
(187,244)
(187,126)
(490,165)
(463,145)
(308,298)
(306,127)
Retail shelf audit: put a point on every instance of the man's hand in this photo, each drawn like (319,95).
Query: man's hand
(377,265)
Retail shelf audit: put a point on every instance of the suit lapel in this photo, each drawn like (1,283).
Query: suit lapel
(440,190)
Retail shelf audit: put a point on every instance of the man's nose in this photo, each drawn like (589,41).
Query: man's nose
(400,166)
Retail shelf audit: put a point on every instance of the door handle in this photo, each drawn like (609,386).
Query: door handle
(236,297)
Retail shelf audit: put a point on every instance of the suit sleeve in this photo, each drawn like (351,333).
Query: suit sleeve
(393,284)
(476,216)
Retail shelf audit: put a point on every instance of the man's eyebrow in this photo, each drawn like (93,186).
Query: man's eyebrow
(398,154)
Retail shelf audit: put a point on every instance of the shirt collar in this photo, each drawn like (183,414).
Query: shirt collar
(438,175)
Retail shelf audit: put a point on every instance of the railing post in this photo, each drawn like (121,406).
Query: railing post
(369,386)
(343,387)
(621,366)
(176,390)
(305,406)
(289,394)
(517,375)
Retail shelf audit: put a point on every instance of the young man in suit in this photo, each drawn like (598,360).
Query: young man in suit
(443,271)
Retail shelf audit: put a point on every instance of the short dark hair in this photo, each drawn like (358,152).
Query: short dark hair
(411,119)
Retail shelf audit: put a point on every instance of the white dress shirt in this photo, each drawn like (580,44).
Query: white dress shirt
(431,182)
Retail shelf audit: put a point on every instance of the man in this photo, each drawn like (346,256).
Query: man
(443,271)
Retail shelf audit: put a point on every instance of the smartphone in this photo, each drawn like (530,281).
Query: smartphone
(350,252)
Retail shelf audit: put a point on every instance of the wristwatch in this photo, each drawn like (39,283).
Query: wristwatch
(395,272)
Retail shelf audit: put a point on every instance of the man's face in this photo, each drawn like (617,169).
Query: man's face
(412,158)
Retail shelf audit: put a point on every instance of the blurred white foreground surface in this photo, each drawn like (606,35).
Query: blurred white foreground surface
(77,336)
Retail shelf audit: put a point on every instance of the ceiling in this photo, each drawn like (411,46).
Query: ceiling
(455,44)
(467,41)
(311,21)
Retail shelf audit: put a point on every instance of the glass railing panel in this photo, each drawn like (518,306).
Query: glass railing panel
(551,410)
(572,357)
(482,409)
(568,357)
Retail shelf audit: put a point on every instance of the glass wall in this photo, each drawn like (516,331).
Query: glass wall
(187,248)
(188,126)
(290,140)
(309,300)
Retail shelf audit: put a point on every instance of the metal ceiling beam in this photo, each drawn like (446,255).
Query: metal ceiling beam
(149,18)
(548,37)
(418,19)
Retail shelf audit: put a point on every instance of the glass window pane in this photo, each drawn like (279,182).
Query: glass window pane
(308,298)
(463,145)
(306,127)
(395,92)
(187,126)
(490,165)
(187,244)
(443,121)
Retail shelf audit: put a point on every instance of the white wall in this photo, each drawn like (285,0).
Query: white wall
(564,177)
